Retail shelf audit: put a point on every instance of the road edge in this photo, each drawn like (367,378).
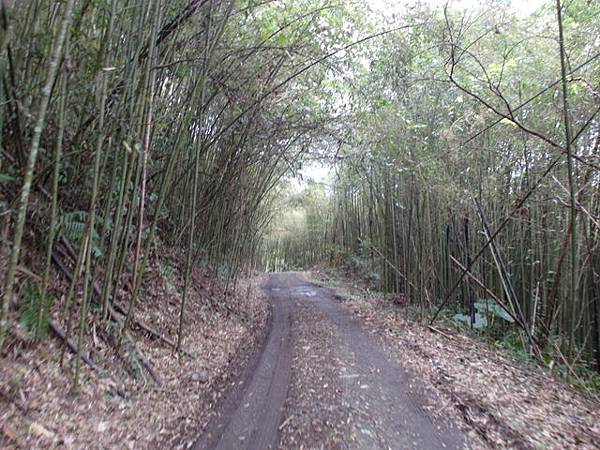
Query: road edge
(233,389)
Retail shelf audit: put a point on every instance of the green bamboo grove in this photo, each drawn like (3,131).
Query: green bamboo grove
(464,150)
(131,122)
(472,176)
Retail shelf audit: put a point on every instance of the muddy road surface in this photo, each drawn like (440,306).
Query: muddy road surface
(322,381)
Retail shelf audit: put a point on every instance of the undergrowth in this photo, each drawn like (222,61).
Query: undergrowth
(499,333)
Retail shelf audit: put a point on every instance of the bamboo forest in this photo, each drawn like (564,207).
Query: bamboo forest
(310,224)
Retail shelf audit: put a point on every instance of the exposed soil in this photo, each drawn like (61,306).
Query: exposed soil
(344,391)
(251,414)
(334,370)
(500,402)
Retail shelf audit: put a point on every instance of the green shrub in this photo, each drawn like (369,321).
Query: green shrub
(34,313)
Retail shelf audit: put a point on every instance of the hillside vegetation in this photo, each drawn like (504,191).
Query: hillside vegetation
(156,158)
(469,181)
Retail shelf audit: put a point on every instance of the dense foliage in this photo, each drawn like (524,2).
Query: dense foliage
(130,122)
(470,177)
(464,146)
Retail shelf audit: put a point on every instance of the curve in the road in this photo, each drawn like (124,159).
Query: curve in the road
(386,396)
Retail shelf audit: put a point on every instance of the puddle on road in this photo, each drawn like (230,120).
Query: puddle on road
(307,291)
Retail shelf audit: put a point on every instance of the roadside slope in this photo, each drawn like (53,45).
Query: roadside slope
(120,406)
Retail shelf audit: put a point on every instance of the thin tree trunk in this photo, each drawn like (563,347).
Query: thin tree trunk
(31,162)
(145,151)
(568,145)
(54,208)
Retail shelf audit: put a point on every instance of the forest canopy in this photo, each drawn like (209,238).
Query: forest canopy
(463,146)
(467,179)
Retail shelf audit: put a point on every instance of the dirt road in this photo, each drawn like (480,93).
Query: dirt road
(322,381)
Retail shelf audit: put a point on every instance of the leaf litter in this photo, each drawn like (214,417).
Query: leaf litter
(500,401)
(223,326)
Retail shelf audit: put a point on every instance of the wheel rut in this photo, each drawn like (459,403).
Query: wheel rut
(322,381)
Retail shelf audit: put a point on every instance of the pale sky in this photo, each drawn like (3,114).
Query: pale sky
(522,7)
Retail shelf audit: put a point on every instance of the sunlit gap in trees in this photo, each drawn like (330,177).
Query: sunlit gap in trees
(389,8)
